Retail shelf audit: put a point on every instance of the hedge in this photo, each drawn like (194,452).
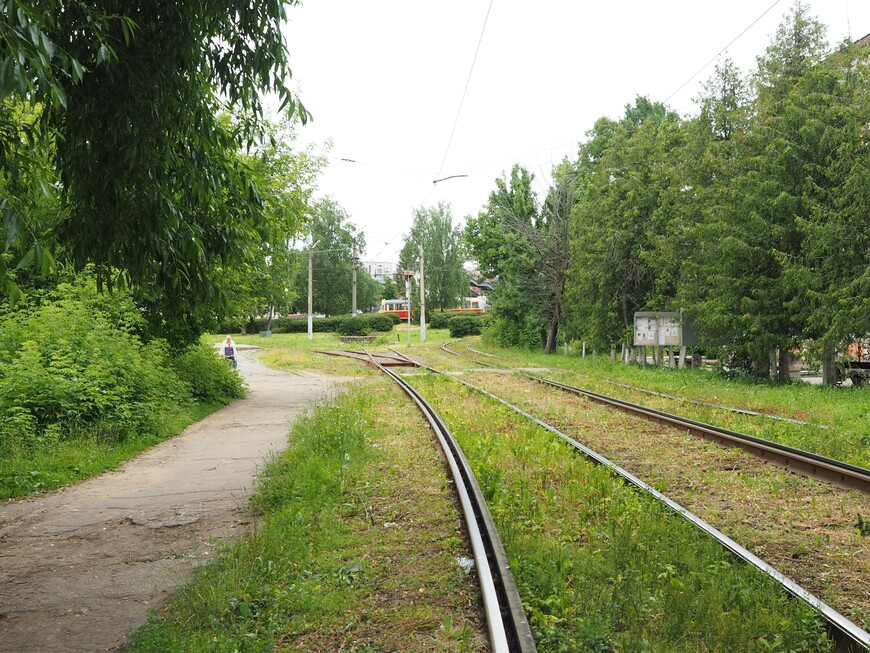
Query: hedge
(381,322)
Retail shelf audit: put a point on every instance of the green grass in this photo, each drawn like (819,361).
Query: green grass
(54,464)
(293,351)
(601,567)
(356,551)
(839,418)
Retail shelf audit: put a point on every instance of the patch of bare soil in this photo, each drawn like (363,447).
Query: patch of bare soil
(804,528)
(81,568)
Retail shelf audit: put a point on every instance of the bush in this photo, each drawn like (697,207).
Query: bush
(70,370)
(381,321)
(65,367)
(440,320)
(208,377)
(231,325)
(464,325)
(353,326)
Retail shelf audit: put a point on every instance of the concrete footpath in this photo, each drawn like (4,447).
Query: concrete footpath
(81,568)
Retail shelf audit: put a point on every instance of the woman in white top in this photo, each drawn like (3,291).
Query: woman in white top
(228,350)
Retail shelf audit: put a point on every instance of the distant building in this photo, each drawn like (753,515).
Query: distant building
(380,270)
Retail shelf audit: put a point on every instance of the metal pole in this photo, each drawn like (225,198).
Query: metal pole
(353,283)
(408,304)
(310,290)
(422,300)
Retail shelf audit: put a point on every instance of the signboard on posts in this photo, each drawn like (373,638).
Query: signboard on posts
(666,329)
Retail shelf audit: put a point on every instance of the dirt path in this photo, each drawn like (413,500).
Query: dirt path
(81,568)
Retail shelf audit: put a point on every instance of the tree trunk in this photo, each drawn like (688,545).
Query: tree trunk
(829,368)
(552,332)
(784,364)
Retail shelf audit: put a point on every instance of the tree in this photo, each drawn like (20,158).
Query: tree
(830,278)
(696,260)
(624,174)
(771,198)
(433,230)
(389,290)
(154,193)
(549,240)
(526,246)
(333,263)
(28,184)
(285,179)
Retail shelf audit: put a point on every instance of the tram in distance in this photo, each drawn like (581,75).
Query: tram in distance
(471,305)
(400,307)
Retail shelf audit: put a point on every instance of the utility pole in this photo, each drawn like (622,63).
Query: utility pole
(354,263)
(310,289)
(408,275)
(422,300)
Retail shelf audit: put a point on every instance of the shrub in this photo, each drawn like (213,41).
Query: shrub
(208,377)
(464,325)
(440,320)
(66,366)
(69,369)
(381,321)
(353,326)
(231,325)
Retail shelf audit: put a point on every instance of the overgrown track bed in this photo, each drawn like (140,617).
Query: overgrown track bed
(530,492)
(507,623)
(810,464)
(807,529)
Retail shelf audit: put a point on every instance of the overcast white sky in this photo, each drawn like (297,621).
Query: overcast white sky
(384,80)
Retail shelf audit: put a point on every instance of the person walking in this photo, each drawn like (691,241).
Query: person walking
(228,350)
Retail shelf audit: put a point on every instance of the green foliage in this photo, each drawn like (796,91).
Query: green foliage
(332,268)
(438,320)
(612,273)
(464,325)
(285,179)
(353,326)
(381,321)
(446,280)
(75,374)
(370,322)
(207,376)
(395,319)
(64,367)
(528,247)
(154,192)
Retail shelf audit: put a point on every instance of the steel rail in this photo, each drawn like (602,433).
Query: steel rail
(849,637)
(508,626)
(810,464)
(741,411)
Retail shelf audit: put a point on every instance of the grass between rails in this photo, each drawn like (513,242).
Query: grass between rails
(601,567)
(807,529)
(357,551)
(845,410)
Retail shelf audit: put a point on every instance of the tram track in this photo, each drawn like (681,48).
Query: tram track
(847,635)
(508,627)
(809,464)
